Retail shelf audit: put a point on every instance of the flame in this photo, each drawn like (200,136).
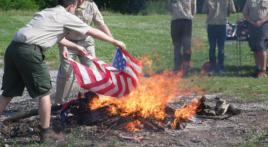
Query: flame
(133,126)
(186,112)
(149,100)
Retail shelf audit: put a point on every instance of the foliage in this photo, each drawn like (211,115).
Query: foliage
(18,4)
(199,5)
(155,7)
(239,4)
(128,6)
(46,3)
(122,6)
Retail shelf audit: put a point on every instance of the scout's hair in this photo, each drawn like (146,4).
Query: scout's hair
(66,3)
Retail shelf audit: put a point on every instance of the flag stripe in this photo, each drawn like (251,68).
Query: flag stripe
(105,79)
(119,86)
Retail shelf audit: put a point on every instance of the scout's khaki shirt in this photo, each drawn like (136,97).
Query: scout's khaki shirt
(218,10)
(49,26)
(256,9)
(90,14)
(182,9)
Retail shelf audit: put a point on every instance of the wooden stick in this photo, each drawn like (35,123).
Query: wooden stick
(33,112)
(134,138)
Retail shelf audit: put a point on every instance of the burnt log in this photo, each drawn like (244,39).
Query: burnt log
(153,125)
(26,114)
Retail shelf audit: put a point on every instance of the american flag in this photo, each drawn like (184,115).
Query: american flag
(115,80)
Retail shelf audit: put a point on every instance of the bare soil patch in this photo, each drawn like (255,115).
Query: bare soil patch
(251,125)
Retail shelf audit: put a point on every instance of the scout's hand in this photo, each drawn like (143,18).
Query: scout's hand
(82,51)
(259,23)
(65,53)
(119,44)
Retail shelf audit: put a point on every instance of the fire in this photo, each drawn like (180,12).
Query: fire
(133,126)
(185,113)
(149,100)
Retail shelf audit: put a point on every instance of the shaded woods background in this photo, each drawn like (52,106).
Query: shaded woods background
(123,6)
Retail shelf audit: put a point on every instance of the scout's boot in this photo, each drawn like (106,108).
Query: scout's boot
(48,135)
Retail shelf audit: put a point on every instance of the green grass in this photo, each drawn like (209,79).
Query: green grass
(150,36)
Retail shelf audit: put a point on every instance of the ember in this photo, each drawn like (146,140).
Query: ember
(132,126)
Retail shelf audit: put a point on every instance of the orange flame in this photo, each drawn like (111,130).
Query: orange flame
(133,126)
(186,112)
(150,98)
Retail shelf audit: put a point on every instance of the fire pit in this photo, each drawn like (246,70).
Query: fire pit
(153,107)
(114,113)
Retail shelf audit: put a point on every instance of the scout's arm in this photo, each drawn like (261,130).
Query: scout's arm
(262,21)
(231,7)
(104,28)
(246,13)
(193,7)
(99,21)
(66,43)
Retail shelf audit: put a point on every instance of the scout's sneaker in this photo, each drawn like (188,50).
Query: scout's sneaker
(221,72)
(261,74)
(48,135)
(186,66)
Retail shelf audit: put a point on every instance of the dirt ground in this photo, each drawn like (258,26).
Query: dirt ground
(250,126)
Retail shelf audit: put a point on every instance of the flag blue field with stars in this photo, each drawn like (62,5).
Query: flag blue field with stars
(119,62)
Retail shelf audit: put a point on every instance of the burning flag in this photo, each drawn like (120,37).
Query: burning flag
(115,80)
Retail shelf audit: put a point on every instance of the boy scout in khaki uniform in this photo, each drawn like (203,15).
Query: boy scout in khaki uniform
(182,12)
(217,12)
(256,13)
(87,11)
(24,64)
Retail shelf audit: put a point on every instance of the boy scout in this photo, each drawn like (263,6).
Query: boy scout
(87,11)
(256,13)
(24,59)
(217,12)
(181,32)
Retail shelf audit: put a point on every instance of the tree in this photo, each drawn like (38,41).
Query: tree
(239,4)
(15,4)
(46,3)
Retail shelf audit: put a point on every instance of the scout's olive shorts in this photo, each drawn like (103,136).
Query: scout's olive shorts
(258,37)
(25,67)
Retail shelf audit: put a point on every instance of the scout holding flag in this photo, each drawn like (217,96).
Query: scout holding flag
(89,13)
(24,57)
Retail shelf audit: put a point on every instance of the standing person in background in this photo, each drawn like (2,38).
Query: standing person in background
(256,13)
(89,13)
(24,64)
(217,12)
(182,12)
